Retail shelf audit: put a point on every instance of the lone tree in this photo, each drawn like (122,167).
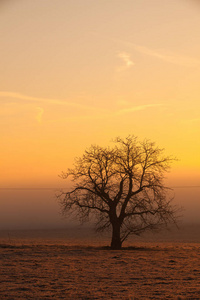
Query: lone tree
(122,187)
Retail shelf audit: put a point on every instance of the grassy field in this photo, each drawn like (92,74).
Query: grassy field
(33,268)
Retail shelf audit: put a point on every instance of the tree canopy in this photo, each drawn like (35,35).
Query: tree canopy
(122,186)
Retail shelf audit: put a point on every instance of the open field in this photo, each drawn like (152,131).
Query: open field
(56,269)
(63,272)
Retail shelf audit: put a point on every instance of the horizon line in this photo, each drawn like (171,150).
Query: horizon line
(58,188)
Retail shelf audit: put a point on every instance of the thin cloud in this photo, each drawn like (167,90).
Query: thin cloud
(136,108)
(43,100)
(39,115)
(125,57)
(173,58)
(111,114)
(102,115)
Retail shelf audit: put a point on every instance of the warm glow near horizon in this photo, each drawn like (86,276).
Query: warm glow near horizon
(75,73)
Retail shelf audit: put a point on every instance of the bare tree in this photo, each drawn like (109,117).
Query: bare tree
(122,186)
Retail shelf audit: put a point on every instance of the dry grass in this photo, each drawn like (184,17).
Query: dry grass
(56,271)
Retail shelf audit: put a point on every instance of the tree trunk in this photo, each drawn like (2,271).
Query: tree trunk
(116,243)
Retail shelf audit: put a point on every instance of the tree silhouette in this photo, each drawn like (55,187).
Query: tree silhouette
(122,186)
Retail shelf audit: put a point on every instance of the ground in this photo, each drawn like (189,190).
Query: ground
(66,271)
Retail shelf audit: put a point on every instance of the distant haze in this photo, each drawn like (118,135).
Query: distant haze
(29,209)
(38,209)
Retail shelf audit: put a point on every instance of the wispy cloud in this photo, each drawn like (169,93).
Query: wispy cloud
(4,94)
(127,62)
(39,114)
(171,58)
(135,108)
(113,114)
(174,58)
(96,114)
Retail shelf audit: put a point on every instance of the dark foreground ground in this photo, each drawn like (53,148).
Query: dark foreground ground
(56,271)
(50,268)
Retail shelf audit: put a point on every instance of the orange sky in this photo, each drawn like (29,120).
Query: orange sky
(79,72)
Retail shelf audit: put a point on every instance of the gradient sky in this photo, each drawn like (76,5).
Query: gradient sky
(79,72)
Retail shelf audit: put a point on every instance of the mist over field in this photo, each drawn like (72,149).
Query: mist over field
(39,209)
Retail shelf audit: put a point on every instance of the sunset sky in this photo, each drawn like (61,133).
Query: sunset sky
(75,73)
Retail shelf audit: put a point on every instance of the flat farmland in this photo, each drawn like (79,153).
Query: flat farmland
(67,271)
